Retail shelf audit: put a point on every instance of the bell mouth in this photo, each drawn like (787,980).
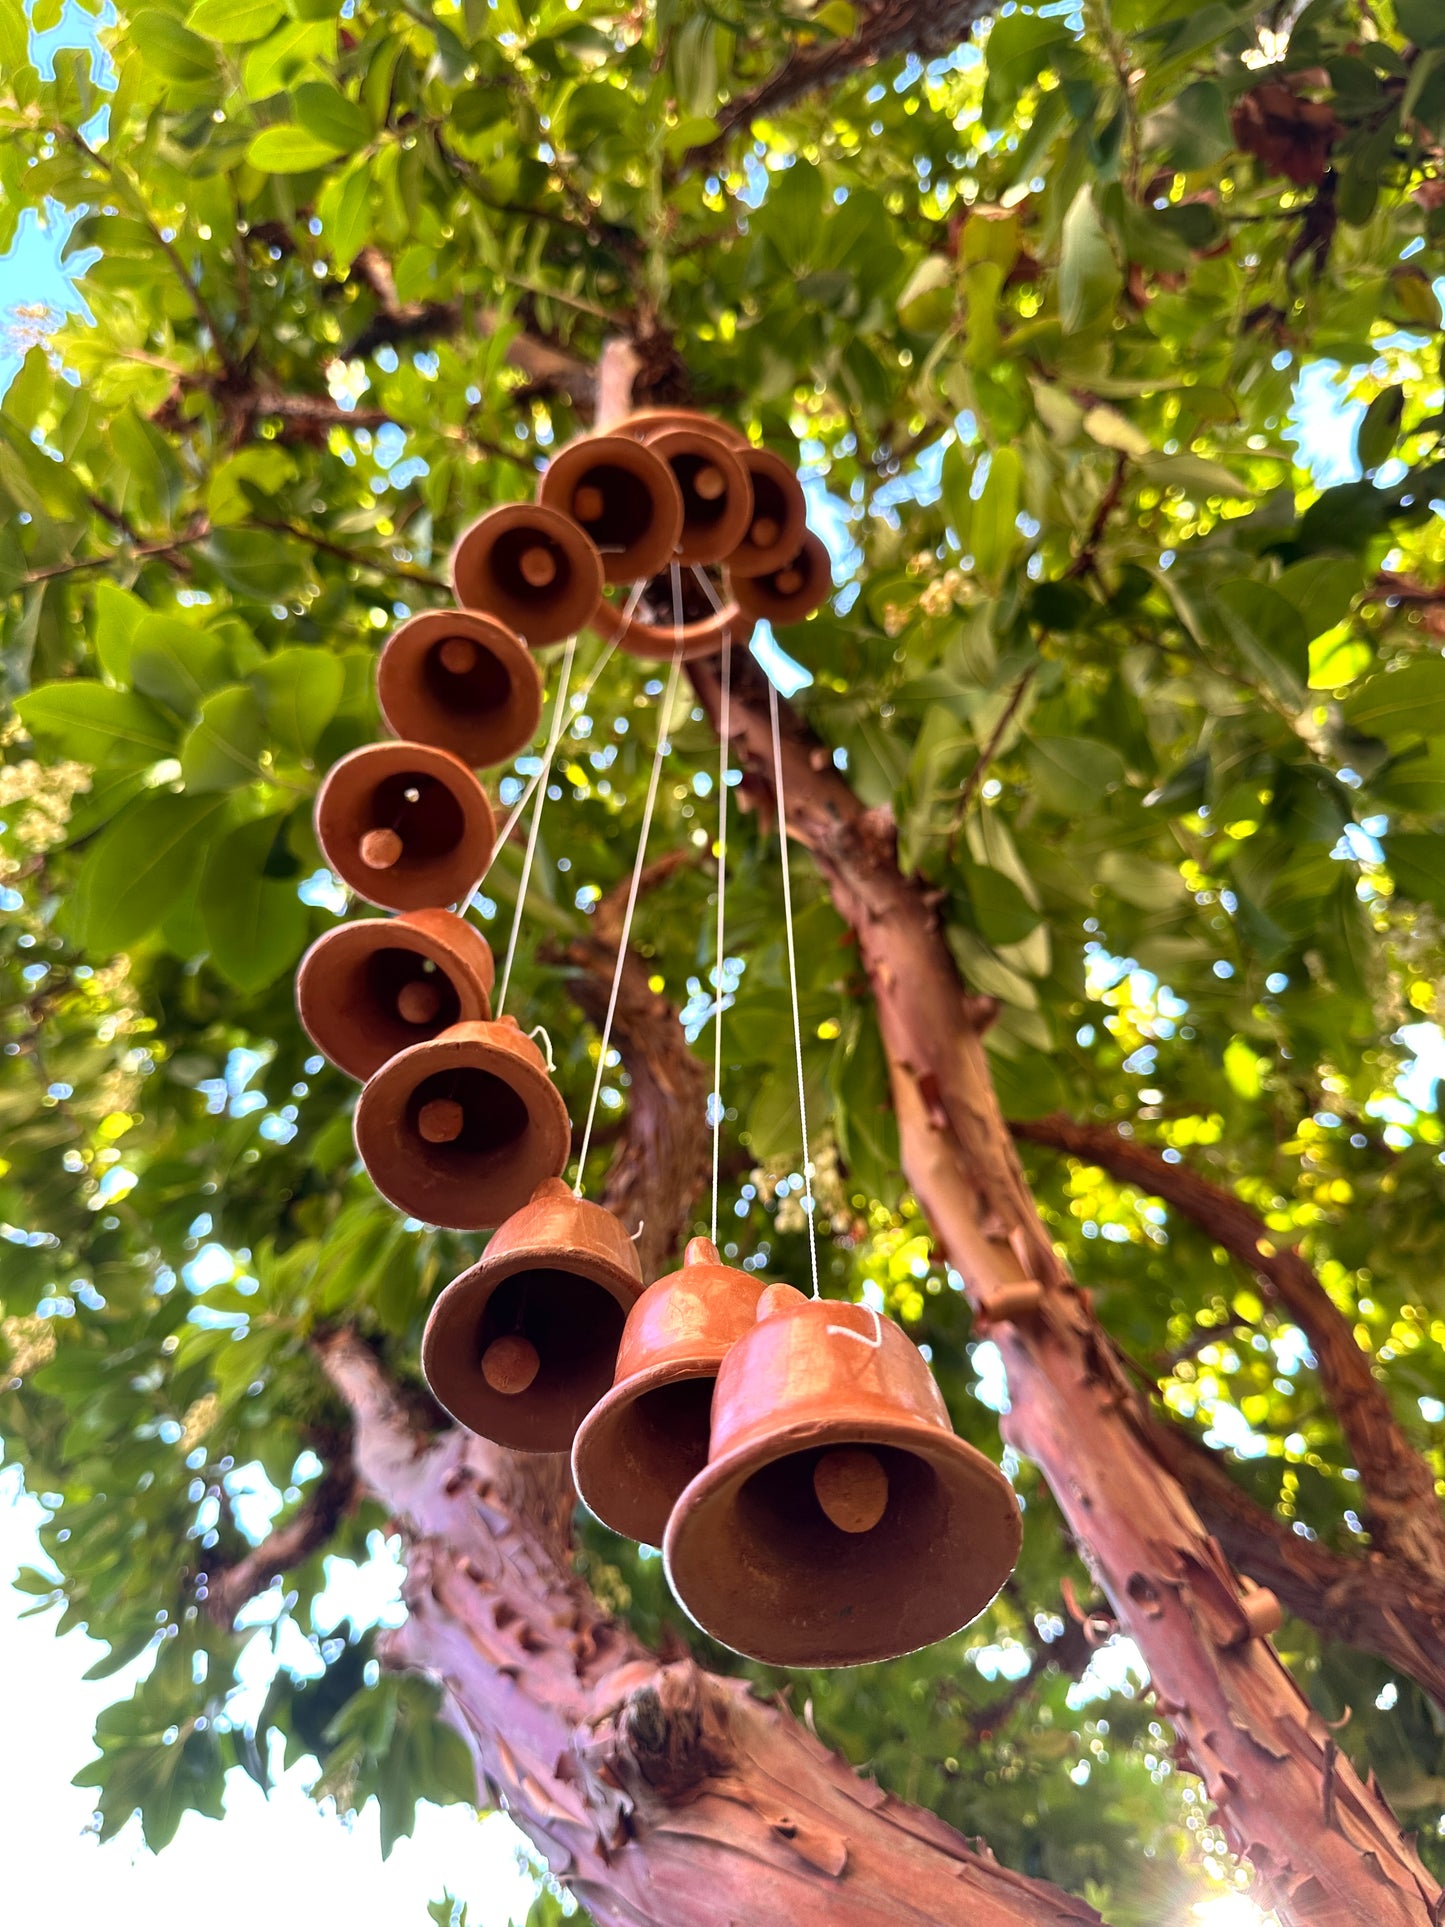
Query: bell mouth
(790,592)
(573,1325)
(653,633)
(466,1143)
(462,682)
(640,1447)
(531,568)
(754,1559)
(407,826)
(717,496)
(779,524)
(626,498)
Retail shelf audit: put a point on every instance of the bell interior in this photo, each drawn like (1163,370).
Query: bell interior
(495,1118)
(627,505)
(575,1325)
(777,1573)
(660,1444)
(698,513)
(378,983)
(656,603)
(423,812)
(505,566)
(480,690)
(769,500)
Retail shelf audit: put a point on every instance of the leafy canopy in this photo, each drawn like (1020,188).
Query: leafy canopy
(1162,719)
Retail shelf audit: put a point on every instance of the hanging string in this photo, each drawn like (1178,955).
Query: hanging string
(724,731)
(554,736)
(579,703)
(793,981)
(663,716)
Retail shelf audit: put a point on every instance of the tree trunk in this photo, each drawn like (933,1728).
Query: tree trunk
(1326,1846)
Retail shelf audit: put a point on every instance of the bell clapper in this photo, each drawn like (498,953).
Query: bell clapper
(764,532)
(458,655)
(851,1487)
(380,849)
(709,483)
(419,1002)
(538,567)
(788,581)
(440,1121)
(588,503)
(510,1363)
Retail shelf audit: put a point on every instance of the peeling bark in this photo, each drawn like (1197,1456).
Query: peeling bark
(1324,1843)
(660,1794)
(1404,1514)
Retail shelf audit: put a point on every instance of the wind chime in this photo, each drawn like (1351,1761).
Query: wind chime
(792,1456)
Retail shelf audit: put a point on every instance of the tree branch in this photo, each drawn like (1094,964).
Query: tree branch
(230,1587)
(928,28)
(1405,1515)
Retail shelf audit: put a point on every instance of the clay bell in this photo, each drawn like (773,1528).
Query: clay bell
(463,682)
(789,593)
(368,989)
(626,498)
(780,516)
(460,1130)
(839,1519)
(653,633)
(643,422)
(717,496)
(532,568)
(648,1437)
(406,826)
(521,1347)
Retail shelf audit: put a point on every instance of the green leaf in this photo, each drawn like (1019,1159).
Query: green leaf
(1402,704)
(325,112)
(994,536)
(300,690)
(175,662)
(1073,773)
(255,564)
(1323,588)
(140,866)
(1001,911)
(1269,633)
(255,925)
(1019,47)
(1417,863)
(222,750)
(90,722)
(290,150)
(345,211)
(1089,278)
(1376,438)
(118,613)
(235,21)
(171,49)
(1199,477)
(1192,132)
(1421,21)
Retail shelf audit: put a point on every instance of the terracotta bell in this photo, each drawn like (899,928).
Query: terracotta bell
(788,594)
(717,497)
(521,1347)
(647,1438)
(643,422)
(462,682)
(532,568)
(780,516)
(404,825)
(370,988)
(626,498)
(652,633)
(460,1130)
(839,1519)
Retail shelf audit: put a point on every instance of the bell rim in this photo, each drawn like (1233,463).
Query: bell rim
(743,587)
(568,535)
(650,421)
(492,1055)
(477,820)
(368,934)
(658,642)
(419,631)
(606,1414)
(973,1471)
(658,550)
(744,563)
(716,543)
(459,1306)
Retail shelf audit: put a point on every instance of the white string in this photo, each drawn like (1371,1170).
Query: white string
(793,980)
(663,717)
(724,723)
(554,736)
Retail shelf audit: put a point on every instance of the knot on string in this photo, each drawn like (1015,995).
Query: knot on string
(539,1030)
